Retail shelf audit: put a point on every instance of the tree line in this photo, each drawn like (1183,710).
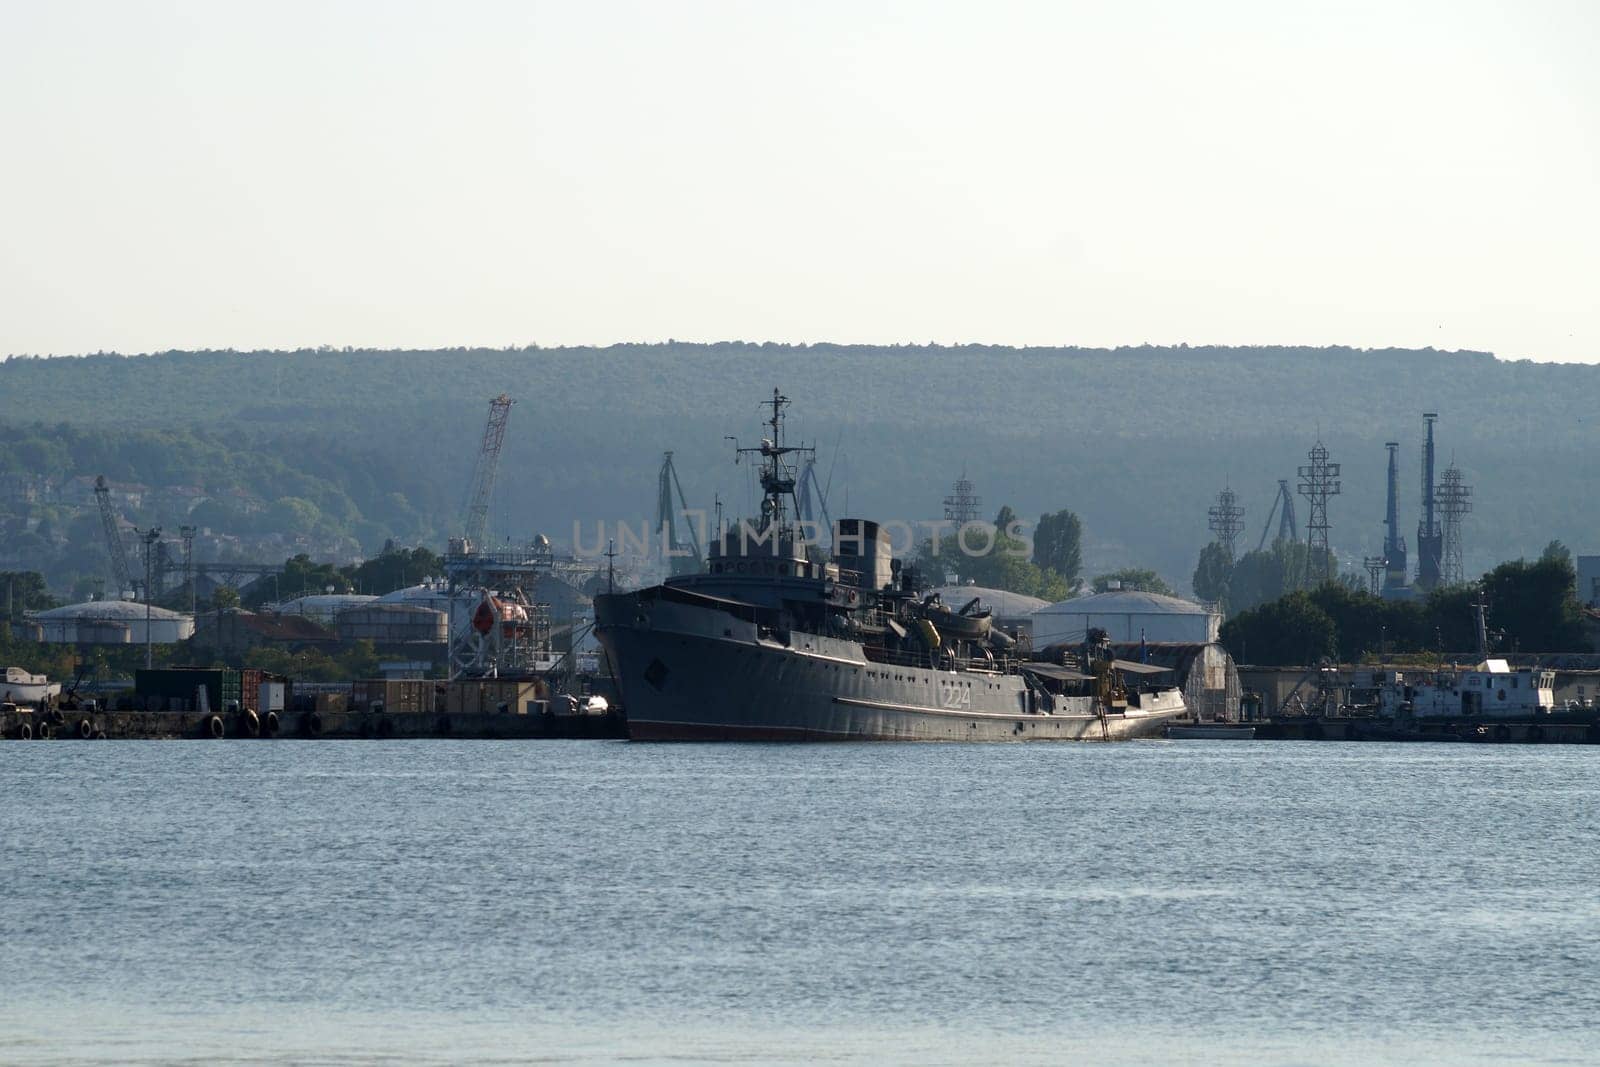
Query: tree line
(1530,606)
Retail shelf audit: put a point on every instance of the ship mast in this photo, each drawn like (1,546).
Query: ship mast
(777,474)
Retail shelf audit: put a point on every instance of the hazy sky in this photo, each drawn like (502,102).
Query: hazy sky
(185,175)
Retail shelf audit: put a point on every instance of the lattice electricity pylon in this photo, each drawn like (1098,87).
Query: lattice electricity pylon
(1318,481)
(961,506)
(1226,519)
(1453,498)
(1375,565)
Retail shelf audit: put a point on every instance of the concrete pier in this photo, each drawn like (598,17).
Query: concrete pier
(25,724)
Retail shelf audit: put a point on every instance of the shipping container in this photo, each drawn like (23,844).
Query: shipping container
(487,696)
(159,686)
(415,695)
(225,688)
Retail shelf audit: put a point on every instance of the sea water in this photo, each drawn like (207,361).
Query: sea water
(433,902)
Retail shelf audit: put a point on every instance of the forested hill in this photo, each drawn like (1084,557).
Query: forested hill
(1136,440)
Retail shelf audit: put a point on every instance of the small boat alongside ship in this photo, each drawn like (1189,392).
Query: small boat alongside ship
(777,641)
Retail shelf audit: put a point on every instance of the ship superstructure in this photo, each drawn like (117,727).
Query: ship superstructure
(777,640)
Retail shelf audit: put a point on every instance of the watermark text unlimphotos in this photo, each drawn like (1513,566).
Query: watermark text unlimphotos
(746,538)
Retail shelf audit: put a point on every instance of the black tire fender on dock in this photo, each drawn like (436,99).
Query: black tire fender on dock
(85,729)
(100,735)
(24,731)
(46,731)
(272,724)
(214,727)
(250,722)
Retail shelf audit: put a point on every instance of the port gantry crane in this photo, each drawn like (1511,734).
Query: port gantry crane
(813,500)
(508,634)
(494,435)
(680,560)
(1283,509)
(114,545)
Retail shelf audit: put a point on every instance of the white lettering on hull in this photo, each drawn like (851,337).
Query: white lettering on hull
(954,696)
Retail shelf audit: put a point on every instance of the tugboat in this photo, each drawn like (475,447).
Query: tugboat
(777,641)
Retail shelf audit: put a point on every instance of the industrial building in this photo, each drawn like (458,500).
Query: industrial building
(111,622)
(1127,615)
(1589,581)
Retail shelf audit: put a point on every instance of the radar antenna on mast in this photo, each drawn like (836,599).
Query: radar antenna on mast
(777,474)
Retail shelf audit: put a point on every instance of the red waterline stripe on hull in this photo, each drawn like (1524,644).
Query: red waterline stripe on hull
(694,731)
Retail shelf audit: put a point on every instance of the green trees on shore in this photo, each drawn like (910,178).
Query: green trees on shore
(1531,607)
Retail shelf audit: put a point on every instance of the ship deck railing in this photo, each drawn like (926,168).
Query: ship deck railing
(899,658)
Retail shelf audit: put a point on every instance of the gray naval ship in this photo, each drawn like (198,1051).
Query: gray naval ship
(775,641)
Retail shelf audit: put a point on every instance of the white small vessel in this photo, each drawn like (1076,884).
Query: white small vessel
(23,688)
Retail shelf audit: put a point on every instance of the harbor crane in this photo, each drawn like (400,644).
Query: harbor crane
(813,498)
(1283,508)
(483,472)
(667,521)
(114,545)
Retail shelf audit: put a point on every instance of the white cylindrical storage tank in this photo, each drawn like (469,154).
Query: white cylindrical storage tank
(113,622)
(436,596)
(323,608)
(393,624)
(1127,615)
